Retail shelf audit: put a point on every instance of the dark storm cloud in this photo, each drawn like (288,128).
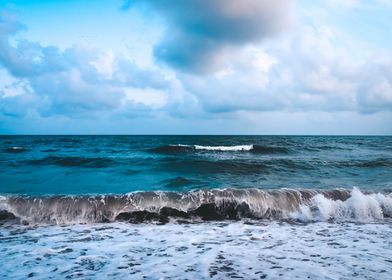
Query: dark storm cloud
(200,31)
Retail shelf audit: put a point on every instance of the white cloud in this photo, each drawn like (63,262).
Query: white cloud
(308,73)
(149,97)
(312,70)
(105,64)
(73,82)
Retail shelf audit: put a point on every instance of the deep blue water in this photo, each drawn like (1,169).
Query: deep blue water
(42,165)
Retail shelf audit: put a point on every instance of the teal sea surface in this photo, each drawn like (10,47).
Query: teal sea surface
(195,207)
(53,165)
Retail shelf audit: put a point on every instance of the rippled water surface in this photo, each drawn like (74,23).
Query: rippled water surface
(195,207)
(120,164)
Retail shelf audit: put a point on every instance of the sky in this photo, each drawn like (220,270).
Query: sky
(196,67)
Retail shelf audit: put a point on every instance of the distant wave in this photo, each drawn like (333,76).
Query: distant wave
(368,163)
(171,149)
(73,161)
(270,149)
(236,148)
(200,205)
(225,148)
(15,150)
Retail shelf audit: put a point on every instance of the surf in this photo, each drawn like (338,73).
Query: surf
(304,205)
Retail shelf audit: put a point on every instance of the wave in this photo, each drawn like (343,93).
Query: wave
(372,163)
(201,205)
(177,182)
(233,167)
(15,150)
(359,207)
(51,150)
(179,148)
(73,161)
(169,149)
(245,148)
(270,149)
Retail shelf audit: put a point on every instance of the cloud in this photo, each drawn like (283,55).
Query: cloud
(28,59)
(72,82)
(220,75)
(308,71)
(245,84)
(344,76)
(200,32)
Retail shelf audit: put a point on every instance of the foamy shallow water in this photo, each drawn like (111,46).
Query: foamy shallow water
(217,250)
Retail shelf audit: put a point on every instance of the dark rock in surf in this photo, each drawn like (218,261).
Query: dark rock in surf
(6,216)
(104,220)
(172,212)
(243,211)
(233,211)
(138,217)
(208,212)
(226,210)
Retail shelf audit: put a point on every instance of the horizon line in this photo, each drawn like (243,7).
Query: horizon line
(179,134)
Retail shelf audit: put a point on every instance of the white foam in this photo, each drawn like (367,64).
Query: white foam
(236,148)
(199,251)
(225,148)
(359,207)
(17,148)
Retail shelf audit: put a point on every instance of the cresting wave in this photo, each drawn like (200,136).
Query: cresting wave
(15,150)
(179,148)
(200,205)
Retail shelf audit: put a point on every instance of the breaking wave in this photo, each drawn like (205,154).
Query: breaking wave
(15,150)
(200,205)
(225,148)
(359,207)
(180,148)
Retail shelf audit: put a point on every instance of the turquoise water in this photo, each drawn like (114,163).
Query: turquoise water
(186,207)
(51,165)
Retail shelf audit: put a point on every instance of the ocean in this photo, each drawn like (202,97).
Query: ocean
(196,207)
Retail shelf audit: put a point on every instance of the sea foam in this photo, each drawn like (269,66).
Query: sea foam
(225,148)
(359,207)
(202,205)
(217,250)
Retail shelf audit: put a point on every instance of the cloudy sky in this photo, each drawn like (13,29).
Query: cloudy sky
(196,67)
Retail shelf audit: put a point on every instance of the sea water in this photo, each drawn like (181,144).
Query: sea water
(188,207)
